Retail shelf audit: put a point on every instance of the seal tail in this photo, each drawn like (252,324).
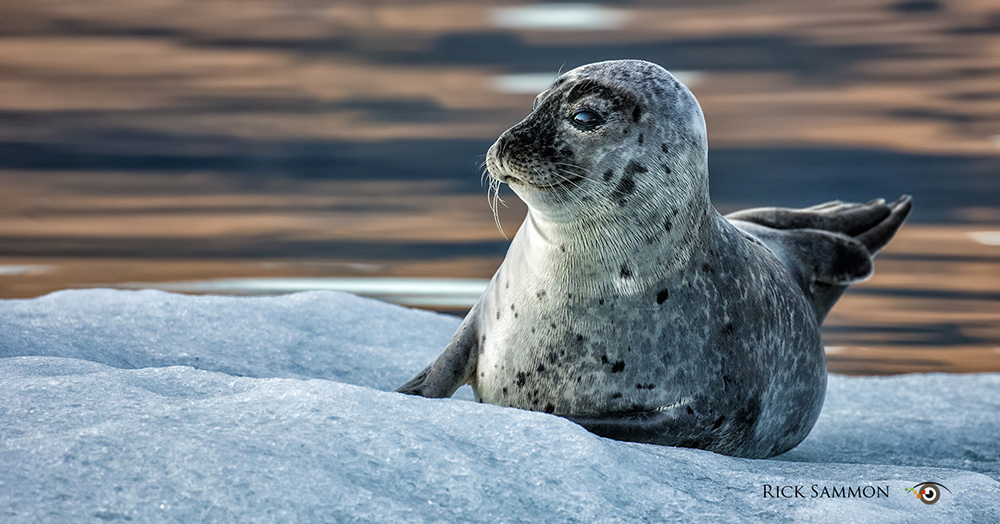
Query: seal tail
(826,247)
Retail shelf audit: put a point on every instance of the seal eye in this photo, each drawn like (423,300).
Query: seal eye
(587,119)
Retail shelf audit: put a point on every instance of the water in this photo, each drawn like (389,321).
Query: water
(170,143)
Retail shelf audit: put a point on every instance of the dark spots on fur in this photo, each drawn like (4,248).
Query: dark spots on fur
(625,187)
(604,359)
(498,314)
(625,272)
(689,410)
(636,115)
(666,168)
(562,248)
(601,301)
(550,408)
(728,330)
(608,175)
(707,268)
(662,295)
(618,367)
(540,294)
(512,307)
(522,379)
(569,296)
(540,368)
(515,314)
(640,139)
(579,338)
(665,149)
(667,224)
(645,386)
(616,395)
(634,168)
(746,418)
(504,391)
(718,422)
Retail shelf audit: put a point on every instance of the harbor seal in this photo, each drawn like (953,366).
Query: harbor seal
(628,304)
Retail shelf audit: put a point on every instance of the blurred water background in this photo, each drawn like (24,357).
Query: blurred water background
(269,146)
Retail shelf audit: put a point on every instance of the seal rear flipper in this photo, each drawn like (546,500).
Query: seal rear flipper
(822,263)
(825,247)
(454,367)
(877,236)
(873,223)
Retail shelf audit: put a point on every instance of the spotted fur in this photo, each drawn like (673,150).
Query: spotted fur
(626,302)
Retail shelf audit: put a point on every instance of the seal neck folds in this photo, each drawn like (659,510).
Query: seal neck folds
(610,254)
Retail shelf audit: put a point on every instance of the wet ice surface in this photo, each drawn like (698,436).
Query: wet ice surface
(148,406)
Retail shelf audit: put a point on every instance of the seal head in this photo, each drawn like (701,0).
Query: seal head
(594,138)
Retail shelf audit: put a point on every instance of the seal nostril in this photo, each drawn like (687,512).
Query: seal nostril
(503,147)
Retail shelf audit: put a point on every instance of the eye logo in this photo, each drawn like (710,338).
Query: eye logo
(927,492)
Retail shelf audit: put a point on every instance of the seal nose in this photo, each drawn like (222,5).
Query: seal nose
(501,146)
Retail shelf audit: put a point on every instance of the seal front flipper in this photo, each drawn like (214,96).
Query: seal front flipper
(455,366)
(825,247)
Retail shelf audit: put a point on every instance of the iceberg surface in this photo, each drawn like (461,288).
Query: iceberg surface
(153,407)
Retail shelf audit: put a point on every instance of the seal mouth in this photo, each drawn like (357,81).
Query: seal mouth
(566,182)
(525,171)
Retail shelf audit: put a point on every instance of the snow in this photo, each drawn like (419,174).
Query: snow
(153,407)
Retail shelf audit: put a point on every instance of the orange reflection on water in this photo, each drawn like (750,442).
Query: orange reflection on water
(168,140)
